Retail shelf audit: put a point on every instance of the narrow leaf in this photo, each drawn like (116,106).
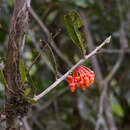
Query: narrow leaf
(115,106)
(51,56)
(31,84)
(3,78)
(31,100)
(27,91)
(22,71)
(76,31)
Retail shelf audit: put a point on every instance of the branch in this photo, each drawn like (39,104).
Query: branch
(15,101)
(101,107)
(50,101)
(100,80)
(36,59)
(123,44)
(36,121)
(114,51)
(44,57)
(108,113)
(26,124)
(74,67)
(94,60)
(47,33)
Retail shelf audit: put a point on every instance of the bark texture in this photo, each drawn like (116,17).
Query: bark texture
(16,106)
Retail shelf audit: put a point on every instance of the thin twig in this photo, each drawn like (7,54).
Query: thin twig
(47,33)
(54,59)
(114,51)
(35,120)
(108,113)
(26,125)
(123,44)
(100,80)
(57,33)
(36,45)
(35,60)
(74,67)
(50,101)
(96,67)
(101,106)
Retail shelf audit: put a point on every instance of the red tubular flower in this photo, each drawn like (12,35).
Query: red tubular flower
(72,87)
(69,78)
(82,76)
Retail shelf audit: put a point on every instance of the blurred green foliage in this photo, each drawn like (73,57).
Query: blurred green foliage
(73,111)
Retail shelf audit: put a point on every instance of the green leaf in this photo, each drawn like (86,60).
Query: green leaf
(22,71)
(51,55)
(2,59)
(31,100)
(11,3)
(70,29)
(3,78)
(27,91)
(31,84)
(115,106)
(76,31)
(28,39)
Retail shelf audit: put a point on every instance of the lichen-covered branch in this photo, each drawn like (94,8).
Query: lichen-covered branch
(74,67)
(16,106)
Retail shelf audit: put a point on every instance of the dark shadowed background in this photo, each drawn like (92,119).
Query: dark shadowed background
(105,105)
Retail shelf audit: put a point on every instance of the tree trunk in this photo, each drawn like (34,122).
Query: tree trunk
(16,106)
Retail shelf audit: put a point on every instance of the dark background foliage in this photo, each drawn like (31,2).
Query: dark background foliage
(60,109)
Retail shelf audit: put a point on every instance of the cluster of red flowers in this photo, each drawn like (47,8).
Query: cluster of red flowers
(82,77)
